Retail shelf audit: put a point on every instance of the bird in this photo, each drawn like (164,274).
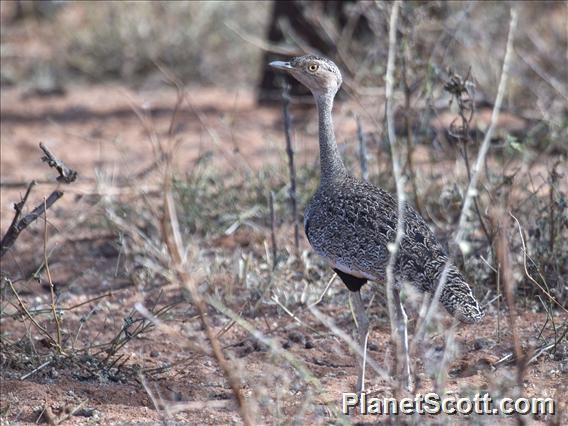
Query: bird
(351,223)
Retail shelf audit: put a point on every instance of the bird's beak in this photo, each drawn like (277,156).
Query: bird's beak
(281,65)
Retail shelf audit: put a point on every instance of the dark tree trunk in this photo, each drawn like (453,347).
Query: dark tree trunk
(270,86)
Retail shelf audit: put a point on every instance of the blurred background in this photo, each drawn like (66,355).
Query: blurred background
(169,106)
(47,43)
(122,41)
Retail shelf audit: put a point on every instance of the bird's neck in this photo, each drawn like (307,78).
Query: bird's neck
(332,167)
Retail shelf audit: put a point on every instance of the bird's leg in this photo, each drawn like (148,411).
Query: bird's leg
(402,352)
(362,331)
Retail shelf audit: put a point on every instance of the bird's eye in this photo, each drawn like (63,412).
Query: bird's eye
(313,67)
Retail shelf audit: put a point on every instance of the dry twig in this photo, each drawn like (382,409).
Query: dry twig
(499,224)
(66,175)
(18,225)
(51,286)
(529,276)
(27,313)
(401,196)
(291,166)
(407,122)
(273,231)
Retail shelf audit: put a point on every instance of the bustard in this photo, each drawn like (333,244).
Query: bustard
(350,223)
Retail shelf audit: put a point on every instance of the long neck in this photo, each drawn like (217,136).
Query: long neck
(332,166)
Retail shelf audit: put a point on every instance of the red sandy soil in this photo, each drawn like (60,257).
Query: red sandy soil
(96,131)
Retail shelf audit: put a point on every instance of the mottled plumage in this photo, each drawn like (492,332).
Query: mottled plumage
(350,222)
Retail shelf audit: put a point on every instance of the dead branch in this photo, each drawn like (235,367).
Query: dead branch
(23,184)
(19,206)
(291,166)
(18,225)
(66,175)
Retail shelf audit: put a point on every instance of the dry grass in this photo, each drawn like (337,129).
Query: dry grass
(185,284)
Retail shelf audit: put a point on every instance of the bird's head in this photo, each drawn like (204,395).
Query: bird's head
(318,74)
